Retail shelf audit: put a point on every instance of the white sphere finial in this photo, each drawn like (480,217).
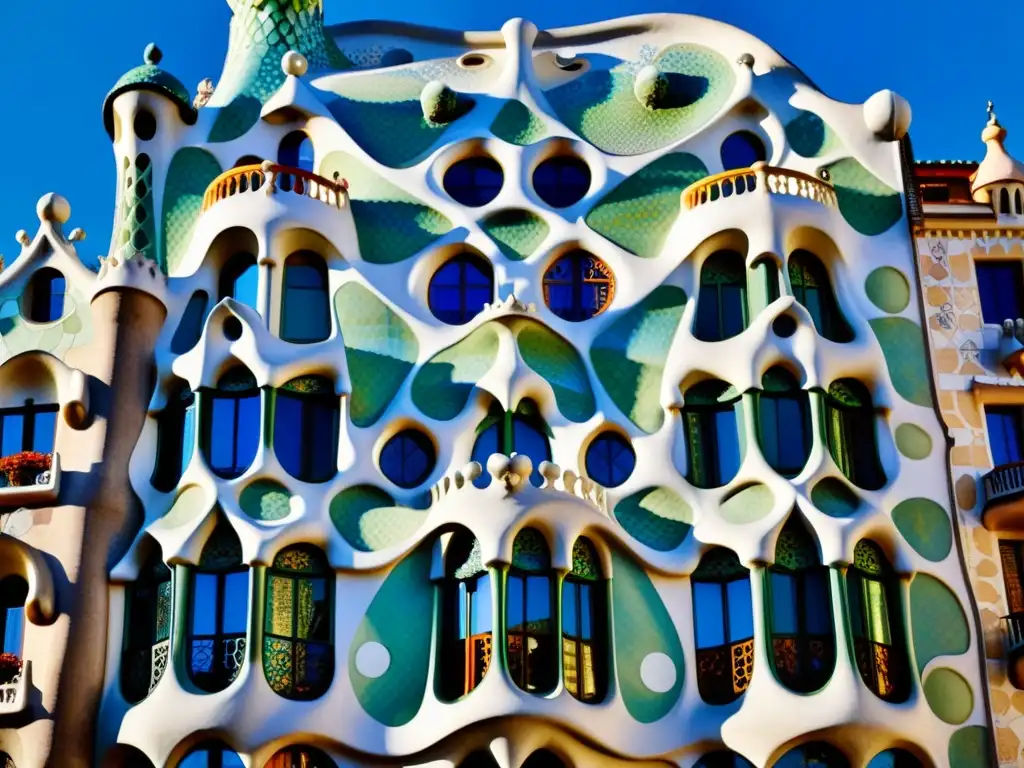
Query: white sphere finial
(294,63)
(53,207)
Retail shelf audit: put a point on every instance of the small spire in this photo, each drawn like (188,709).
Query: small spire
(992,120)
(152,55)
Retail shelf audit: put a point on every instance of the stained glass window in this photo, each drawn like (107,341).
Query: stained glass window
(31,427)
(44,297)
(176,438)
(474,181)
(13,593)
(298,656)
(466,619)
(722,300)
(578,286)
(306,419)
(211,754)
(784,422)
(800,605)
(878,641)
(712,434)
(610,459)
(239,280)
(723,626)
(813,755)
(300,757)
(231,423)
(562,180)
(460,288)
(529,614)
(147,629)
(583,625)
(508,432)
(812,288)
(305,310)
(850,425)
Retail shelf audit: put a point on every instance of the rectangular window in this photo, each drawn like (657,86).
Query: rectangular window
(1005,434)
(784,604)
(13,433)
(13,629)
(1000,284)
(934,193)
(741,610)
(1010,555)
(708,613)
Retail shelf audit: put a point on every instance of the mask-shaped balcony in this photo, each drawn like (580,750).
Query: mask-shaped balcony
(759,179)
(271,178)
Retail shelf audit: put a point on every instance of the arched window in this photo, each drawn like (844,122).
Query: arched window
(544,758)
(850,426)
(300,757)
(583,625)
(460,288)
(803,640)
(13,593)
(305,311)
(610,459)
(31,427)
(522,431)
(408,458)
(895,758)
(1004,201)
(784,422)
(530,615)
(466,618)
(190,329)
(723,626)
(219,611)
(479,759)
(240,280)
(246,161)
(296,151)
(298,656)
(741,150)
(562,180)
(878,642)
(816,754)
(147,629)
(1017,205)
(578,286)
(211,754)
(812,288)
(176,438)
(723,759)
(306,416)
(231,423)
(712,434)
(44,297)
(474,181)
(722,300)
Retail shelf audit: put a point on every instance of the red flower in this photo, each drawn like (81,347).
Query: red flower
(22,468)
(10,667)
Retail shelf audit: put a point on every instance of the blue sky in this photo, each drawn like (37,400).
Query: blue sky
(60,57)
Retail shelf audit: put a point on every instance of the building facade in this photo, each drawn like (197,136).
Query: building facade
(519,398)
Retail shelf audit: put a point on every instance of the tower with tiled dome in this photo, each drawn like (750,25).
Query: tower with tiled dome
(525,398)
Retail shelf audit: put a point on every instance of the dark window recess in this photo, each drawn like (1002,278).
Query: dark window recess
(562,180)
(190,329)
(741,150)
(300,757)
(212,754)
(1005,434)
(584,625)
(850,429)
(144,125)
(460,288)
(816,754)
(13,593)
(522,431)
(530,621)
(466,618)
(578,286)
(935,193)
(147,632)
(813,289)
(723,759)
(1000,284)
(722,297)
(296,151)
(305,311)
(44,300)
(408,458)
(784,423)
(176,439)
(712,434)
(474,181)
(610,459)
(306,417)
(239,280)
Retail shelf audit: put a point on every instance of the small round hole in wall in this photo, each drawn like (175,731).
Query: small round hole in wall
(232,329)
(396,57)
(568,65)
(474,60)
(145,125)
(784,326)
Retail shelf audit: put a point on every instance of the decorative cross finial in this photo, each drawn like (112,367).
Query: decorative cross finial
(991,112)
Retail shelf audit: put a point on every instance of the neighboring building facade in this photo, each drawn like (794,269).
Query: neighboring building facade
(520,398)
(969,227)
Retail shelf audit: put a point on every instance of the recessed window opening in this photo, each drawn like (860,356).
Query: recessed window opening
(474,181)
(44,300)
(610,459)
(144,125)
(741,150)
(578,286)
(408,458)
(296,151)
(460,288)
(562,180)
(239,280)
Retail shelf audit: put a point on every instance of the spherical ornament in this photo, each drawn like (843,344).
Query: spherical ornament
(887,115)
(498,465)
(439,102)
(372,660)
(522,465)
(746,60)
(152,55)
(651,87)
(53,207)
(294,63)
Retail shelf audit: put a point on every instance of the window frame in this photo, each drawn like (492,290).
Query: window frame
(421,441)
(541,686)
(144,640)
(212,396)
(470,191)
(700,428)
(461,599)
(313,406)
(463,262)
(504,422)
(236,266)
(29,413)
(607,442)
(851,436)
(555,194)
(305,298)
(585,270)
(172,425)
(219,678)
(800,397)
(995,279)
(808,273)
(723,269)
(41,302)
(805,680)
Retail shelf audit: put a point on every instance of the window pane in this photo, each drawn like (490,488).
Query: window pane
(246,286)
(288,442)
(236,602)
(204,604)
(708,614)
(528,440)
(1005,435)
(733,300)
(784,607)
(14,628)
(514,604)
(482,606)
(792,435)
(322,441)
(878,612)
(280,596)
(13,433)
(817,607)
(188,435)
(222,434)
(570,617)
(248,430)
(45,429)
(741,610)
(486,444)
(463,607)
(999,283)
(538,603)
(855,589)
(588,595)
(768,413)
(727,445)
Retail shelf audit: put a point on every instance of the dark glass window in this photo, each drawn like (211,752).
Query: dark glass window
(934,193)
(176,438)
(562,180)
(466,618)
(741,150)
(305,311)
(13,593)
(1005,434)
(298,656)
(803,641)
(610,459)
(1004,201)
(28,428)
(479,759)
(850,426)
(296,151)
(144,125)
(300,757)
(723,625)
(1017,203)
(784,423)
(722,300)
(190,329)
(248,160)
(813,289)
(712,434)
(474,181)
(408,458)
(211,754)
(999,283)
(529,615)
(460,288)
(814,755)
(544,758)
(578,286)
(147,630)
(508,432)
(878,643)
(240,279)
(895,758)
(44,300)
(306,416)
(583,625)
(219,613)
(723,759)
(231,423)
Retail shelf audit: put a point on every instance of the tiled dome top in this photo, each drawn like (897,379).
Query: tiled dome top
(149,77)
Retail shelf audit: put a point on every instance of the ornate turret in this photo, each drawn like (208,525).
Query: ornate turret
(999,174)
(149,77)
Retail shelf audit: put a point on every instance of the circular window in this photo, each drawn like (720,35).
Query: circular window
(578,286)
(474,181)
(741,150)
(408,458)
(610,459)
(145,125)
(562,180)
(474,60)
(460,289)
(232,329)
(784,326)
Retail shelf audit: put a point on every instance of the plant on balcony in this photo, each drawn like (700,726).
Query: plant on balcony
(10,668)
(24,468)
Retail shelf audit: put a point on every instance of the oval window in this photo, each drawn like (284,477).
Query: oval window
(578,286)
(741,150)
(562,181)
(408,458)
(610,459)
(474,181)
(460,289)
